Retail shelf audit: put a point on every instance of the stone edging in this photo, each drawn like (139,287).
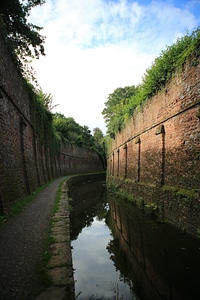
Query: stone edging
(60,268)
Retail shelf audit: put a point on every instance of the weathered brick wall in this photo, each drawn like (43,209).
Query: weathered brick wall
(25,161)
(160,146)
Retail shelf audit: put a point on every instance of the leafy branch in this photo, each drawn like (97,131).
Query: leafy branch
(22,38)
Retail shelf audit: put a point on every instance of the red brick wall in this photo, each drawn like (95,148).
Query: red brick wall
(159,149)
(25,161)
(170,157)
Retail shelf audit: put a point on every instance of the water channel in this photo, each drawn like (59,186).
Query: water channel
(120,253)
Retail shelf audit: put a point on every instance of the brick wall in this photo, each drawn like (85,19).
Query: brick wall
(159,149)
(25,161)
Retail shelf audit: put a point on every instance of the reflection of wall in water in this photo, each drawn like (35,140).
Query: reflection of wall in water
(164,263)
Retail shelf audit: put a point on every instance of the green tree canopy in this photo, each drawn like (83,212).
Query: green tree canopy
(99,142)
(67,128)
(114,111)
(22,37)
(70,131)
(98,135)
(88,139)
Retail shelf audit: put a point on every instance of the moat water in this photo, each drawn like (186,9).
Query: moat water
(120,253)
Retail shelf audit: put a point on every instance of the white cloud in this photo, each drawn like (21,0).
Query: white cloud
(95,46)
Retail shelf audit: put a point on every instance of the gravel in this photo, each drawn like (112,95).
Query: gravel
(22,245)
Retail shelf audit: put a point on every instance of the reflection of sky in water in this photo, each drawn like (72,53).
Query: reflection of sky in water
(95,275)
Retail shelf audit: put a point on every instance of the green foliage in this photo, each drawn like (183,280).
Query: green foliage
(123,194)
(46,100)
(116,107)
(53,129)
(170,60)
(187,196)
(99,143)
(41,117)
(122,102)
(70,131)
(22,37)
(88,139)
(150,209)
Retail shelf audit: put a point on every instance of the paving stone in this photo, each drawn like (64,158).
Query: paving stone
(60,230)
(58,238)
(60,216)
(61,222)
(60,260)
(60,275)
(59,248)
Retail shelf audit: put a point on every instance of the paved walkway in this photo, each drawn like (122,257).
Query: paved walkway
(22,241)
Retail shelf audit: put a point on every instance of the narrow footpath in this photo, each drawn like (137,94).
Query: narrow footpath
(22,246)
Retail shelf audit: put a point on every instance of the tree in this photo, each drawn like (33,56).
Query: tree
(99,143)
(98,135)
(87,137)
(115,110)
(119,96)
(22,37)
(67,128)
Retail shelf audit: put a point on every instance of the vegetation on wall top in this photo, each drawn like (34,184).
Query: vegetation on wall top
(56,128)
(122,102)
(69,131)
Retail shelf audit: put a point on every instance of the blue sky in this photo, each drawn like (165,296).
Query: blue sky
(95,46)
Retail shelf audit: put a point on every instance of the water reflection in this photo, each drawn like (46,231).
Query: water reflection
(96,278)
(95,274)
(89,201)
(119,253)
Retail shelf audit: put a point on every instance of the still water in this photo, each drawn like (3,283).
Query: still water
(95,275)
(119,253)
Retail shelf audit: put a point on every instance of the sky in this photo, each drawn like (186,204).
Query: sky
(96,46)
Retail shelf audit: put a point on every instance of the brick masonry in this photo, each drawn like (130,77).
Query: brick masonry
(156,156)
(25,161)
